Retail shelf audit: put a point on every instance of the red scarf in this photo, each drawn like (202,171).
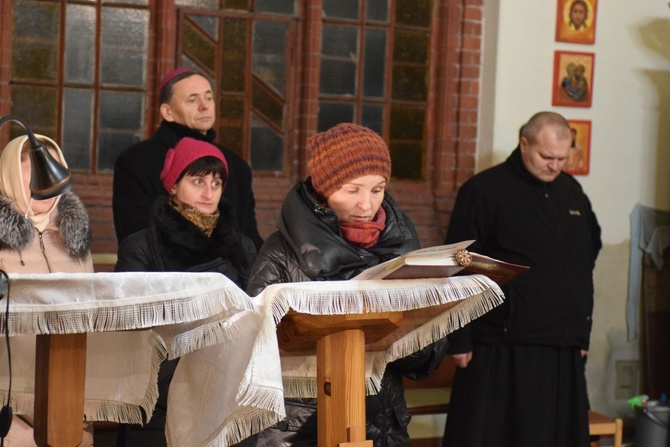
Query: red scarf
(364,234)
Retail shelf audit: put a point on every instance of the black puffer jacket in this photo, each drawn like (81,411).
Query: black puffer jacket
(309,247)
(173,244)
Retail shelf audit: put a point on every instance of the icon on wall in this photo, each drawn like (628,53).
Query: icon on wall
(573,79)
(580,150)
(576,21)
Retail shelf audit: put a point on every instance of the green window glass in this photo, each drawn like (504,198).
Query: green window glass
(104,47)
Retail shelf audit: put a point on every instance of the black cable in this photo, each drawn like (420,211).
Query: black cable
(6,411)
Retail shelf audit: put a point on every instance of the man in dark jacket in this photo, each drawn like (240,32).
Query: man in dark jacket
(520,380)
(187,106)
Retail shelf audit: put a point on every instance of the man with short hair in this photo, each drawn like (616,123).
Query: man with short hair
(187,108)
(520,379)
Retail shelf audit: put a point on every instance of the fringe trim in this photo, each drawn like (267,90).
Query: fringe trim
(21,403)
(483,295)
(209,334)
(128,316)
(260,408)
(379,295)
(297,387)
(103,410)
(126,413)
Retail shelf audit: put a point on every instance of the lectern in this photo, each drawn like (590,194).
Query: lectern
(430,309)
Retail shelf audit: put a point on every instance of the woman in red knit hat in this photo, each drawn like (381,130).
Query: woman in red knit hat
(192,229)
(335,224)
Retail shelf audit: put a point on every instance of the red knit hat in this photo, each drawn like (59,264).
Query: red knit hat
(344,153)
(184,153)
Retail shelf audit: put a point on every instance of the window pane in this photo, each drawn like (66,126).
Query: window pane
(80,44)
(407,143)
(339,64)
(414,12)
(232,138)
(377,10)
(208,24)
(341,9)
(237,4)
(124,46)
(375,63)
(410,46)
(410,83)
(231,123)
(234,57)
(338,78)
(407,160)
(340,41)
(198,47)
(268,53)
(35,40)
(407,123)
(268,105)
(41,119)
(332,113)
(276,6)
(372,116)
(121,124)
(208,4)
(77,127)
(266,147)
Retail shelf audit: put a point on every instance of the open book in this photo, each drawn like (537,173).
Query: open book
(443,261)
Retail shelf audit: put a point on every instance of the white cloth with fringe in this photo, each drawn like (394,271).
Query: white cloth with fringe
(431,308)
(131,319)
(232,378)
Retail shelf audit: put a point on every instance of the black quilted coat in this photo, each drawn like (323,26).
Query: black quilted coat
(309,247)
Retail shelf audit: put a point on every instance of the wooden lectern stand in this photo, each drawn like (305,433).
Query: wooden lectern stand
(60,373)
(340,349)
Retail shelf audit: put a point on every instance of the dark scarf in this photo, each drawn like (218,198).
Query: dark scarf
(364,234)
(185,131)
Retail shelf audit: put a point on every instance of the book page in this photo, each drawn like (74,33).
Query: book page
(439,255)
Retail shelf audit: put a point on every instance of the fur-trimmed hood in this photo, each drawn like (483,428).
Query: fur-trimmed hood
(17,231)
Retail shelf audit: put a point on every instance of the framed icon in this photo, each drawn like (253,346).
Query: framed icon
(573,79)
(576,21)
(580,150)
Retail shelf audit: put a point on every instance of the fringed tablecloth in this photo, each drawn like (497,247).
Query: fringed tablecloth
(134,321)
(230,381)
(432,309)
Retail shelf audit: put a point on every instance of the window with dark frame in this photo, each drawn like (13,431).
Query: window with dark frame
(90,82)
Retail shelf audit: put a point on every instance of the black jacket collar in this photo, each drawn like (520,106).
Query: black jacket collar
(169,133)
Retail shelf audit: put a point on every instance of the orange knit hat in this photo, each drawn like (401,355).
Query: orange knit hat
(343,153)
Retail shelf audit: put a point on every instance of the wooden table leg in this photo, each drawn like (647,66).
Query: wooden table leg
(341,389)
(60,375)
